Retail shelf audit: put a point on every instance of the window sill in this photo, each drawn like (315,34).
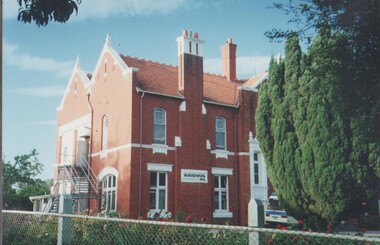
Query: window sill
(221,154)
(103,154)
(158,148)
(161,213)
(221,214)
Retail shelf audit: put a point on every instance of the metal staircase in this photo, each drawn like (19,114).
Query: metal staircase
(77,179)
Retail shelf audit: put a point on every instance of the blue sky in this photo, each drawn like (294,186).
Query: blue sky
(38,61)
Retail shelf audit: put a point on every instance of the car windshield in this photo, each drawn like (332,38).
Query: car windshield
(274,204)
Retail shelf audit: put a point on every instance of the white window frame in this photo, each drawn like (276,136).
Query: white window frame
(256,164)
(219,173)
(163,212)
(221,130)
(107,201)
(155,122)
(160,168)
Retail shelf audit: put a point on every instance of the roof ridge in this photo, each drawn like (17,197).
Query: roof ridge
(175,66)
(150,61)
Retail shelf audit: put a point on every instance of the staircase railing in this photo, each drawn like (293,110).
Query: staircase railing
(89,173)
(70,174)
(53,195)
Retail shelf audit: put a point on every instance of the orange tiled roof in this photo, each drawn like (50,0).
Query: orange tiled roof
(163,79)
(253,81)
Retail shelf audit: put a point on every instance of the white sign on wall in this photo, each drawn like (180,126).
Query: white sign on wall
(194,176)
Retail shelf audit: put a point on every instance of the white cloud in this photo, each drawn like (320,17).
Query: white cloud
(246,66)
(107,8)
(10,9)
(46,91)
(48,123)
(13,56)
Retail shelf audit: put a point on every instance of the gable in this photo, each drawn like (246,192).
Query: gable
(78,81)
(109,60)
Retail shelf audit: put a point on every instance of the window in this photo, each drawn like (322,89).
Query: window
(109,193)
(159,126)
(220,133)
(105,133)
(256,178)
(158,191)
(221,193)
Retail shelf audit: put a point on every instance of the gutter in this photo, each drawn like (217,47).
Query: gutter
(139,90)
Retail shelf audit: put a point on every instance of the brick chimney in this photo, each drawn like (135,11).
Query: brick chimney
(190,84)
(190,64)
(229,60)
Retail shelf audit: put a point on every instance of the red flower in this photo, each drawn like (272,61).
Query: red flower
(188,219)
(300,222)
(329,228)
(279,227)
(204,219)
(284,228)
(270,241)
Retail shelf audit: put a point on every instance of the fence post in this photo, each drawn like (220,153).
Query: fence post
(255,219)
(64,223)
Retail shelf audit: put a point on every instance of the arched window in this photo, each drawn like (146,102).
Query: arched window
(105,133)
(220,133)
(109,193)
(159,126)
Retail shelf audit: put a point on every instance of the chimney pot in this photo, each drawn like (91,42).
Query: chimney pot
(196,35)
(184,33)
(229,40)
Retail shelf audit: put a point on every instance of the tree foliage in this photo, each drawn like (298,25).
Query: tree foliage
(359,21)
(43,11)
(331,102)
(20,181)
(308,130)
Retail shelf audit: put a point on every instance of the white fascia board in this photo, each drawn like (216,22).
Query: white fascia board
(75,124)
(257,84)
(84,78)
(119,61)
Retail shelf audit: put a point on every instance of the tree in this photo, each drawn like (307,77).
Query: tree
(43,11)
(20,181)
(359,21)
(350,54)
(304,123)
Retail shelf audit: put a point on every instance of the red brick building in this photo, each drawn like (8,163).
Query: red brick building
(155,139)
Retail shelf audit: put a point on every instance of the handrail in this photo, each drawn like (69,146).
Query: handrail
(49,205)
(81,161)
(69,172)
(88,172)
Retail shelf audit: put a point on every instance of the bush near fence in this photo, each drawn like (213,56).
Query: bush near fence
(41,228)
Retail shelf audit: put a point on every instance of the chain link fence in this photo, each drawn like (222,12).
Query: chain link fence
(42,228)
